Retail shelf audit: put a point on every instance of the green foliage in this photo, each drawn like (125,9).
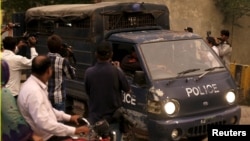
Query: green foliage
(233,9)
(11,6)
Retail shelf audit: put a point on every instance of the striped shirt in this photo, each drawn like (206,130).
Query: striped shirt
(61,70)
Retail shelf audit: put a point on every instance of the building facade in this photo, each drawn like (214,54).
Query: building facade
(204,16)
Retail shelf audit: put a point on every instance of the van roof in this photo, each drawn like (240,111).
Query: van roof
(80,11)
(152,36)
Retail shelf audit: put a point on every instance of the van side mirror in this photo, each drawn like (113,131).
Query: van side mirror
(139,78)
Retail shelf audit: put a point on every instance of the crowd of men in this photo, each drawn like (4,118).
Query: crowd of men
(38,106)
(220,45)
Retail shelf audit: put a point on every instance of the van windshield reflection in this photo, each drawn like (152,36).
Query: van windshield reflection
(167,59)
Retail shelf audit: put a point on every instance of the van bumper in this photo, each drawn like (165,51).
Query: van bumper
(191,126)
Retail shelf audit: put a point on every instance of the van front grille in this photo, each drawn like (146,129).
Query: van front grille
(202,129)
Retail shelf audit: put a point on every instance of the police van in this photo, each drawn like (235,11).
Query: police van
(183,86)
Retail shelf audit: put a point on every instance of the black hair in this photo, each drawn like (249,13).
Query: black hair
(40,64)
(104,51)
(225,32)
(54,43)
(189,29)
(9,43)
(211,40)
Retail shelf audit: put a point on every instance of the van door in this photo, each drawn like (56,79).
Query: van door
(135,102)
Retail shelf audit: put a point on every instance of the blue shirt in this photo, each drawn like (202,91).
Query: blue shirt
(104,95)
(61,70)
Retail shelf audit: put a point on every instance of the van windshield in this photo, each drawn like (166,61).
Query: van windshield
(167,59)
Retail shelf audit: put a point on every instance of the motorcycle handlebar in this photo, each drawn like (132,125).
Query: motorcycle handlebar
(101,128)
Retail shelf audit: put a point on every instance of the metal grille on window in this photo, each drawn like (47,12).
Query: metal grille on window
(128,21)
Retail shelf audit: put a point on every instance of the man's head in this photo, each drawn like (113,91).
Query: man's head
(5,74)
(41,67)
(212,41)
(224,34)
(133,53)
(189,29)
(9,43)
(104,51)
(54,43)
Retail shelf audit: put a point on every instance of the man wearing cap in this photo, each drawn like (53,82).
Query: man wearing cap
(104,84)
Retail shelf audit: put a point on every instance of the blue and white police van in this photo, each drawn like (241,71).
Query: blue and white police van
(183,86)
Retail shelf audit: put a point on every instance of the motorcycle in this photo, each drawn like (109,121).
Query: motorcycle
(97,132)
(100,130)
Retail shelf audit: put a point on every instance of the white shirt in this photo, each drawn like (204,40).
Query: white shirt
(36,108)
(225,51)
(17,63)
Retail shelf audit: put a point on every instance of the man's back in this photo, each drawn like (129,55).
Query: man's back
(104,84)
(100,85)
(16,65)
(38,112)
(36,97)
(61,70)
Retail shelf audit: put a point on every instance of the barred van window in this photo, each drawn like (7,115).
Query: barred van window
(128,21)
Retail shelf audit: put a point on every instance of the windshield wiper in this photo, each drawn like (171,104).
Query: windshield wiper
(207,71)
(213,68)
(187,71)
(182,73)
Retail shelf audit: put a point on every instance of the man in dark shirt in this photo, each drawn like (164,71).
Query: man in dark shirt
(104,84)
(130,63)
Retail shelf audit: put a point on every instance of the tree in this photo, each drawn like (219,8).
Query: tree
(233,9)
(12,6)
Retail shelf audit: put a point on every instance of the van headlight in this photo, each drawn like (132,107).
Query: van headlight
(230,97)
(171,107)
